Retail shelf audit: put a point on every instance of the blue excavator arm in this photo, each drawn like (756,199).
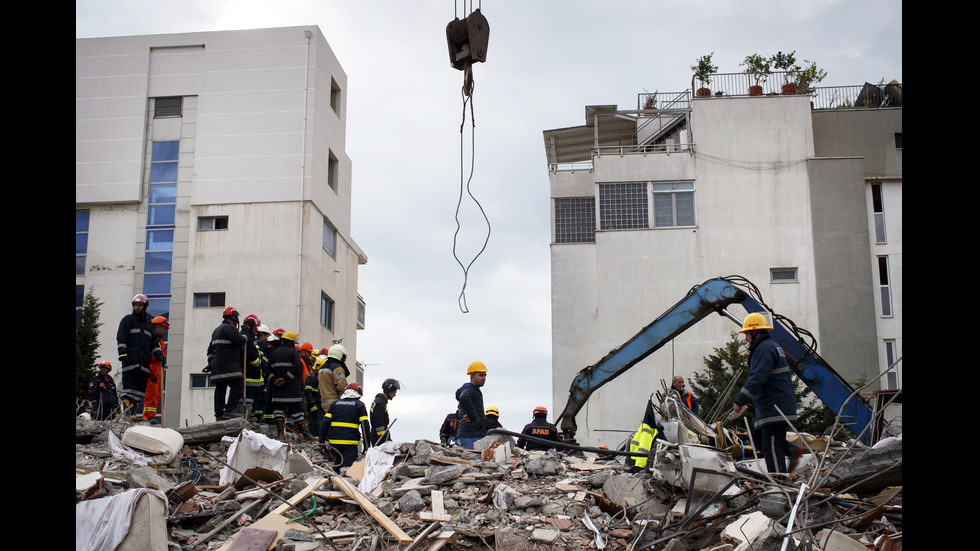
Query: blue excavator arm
(715,296)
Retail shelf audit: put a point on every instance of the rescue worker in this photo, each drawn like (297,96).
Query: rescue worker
(311,397)
(227,354)
(493,418)
(261,408)
(447,432)
(136,342)
(770,388)
(306,354)
(642,440)
(539,427)
(102,393)
(472,425)
(379,411)
(685,396)
(157,371)
(333,376)
(272,343)
(287,398)
(254,371)
(344,424)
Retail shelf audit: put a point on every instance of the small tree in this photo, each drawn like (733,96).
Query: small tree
(704,69)
(757,67)
(86,343)
(783,62)
(807,76)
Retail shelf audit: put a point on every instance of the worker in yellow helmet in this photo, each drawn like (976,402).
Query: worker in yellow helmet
(472,418)
(770,388)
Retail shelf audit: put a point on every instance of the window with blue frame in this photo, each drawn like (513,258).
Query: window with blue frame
(160,225)
(81,240)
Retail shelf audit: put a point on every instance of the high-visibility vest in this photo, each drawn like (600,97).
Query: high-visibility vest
(642,442)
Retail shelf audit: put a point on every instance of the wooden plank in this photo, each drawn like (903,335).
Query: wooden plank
(370,509)
(438,509)
(276,521)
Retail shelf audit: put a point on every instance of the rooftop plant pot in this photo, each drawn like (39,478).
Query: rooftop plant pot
(755,90)
(789,89)
(703,92)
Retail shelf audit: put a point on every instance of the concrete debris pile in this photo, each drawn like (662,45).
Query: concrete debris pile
(230,487)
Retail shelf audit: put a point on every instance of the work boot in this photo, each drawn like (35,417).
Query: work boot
(305,432)
(280,429)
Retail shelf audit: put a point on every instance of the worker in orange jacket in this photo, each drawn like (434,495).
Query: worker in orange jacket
(154,385)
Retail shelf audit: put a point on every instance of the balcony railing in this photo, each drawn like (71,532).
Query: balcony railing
(866,96)
(664,100)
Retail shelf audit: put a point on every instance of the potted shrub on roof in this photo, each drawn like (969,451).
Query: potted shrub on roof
(650,102)
(758,68)
(784,62)
(702,72)
(805,77)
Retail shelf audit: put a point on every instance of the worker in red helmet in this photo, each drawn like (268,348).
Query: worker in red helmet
(254,371)
(136,342)
(157,369)
(102,393)
(539,427)
(341,423)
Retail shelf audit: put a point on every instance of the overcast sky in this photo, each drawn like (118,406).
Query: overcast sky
(546,61)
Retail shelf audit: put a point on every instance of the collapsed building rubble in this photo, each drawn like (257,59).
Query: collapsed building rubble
(230,486)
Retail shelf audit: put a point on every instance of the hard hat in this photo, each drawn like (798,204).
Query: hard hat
(262,329)
(390,384)
(755,320)
(476,367)
(290,336)
(354,386)
(105,364)
(319,363)
(493,411)
(160,320)
(324,351)
(141,299)
(306,346)
(230,312)
(253,318)
(337,352)
(279,332)
(273,338)
(540,410)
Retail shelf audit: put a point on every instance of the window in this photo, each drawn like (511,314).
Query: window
(160,219)
(167,107)
(208,223)
(332,171)
(883,285)
(898,140)
(326,312)
(783,275)
(334,96)
(891,378)
(361,312)
(209,300)
(329,238)
(673,204)
(879,213)
(623,206)
(575,220)
(201,380)
(81,240)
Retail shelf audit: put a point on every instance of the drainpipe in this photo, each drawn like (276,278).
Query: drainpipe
(302,180)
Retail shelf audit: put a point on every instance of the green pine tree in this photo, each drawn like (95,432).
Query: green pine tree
(86,343)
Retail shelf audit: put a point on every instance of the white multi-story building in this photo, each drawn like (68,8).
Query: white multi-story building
(211,172)
(804,202)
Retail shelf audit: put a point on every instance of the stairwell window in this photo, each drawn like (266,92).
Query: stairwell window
(878,208)
(673,204)
(326,312)
(884,287)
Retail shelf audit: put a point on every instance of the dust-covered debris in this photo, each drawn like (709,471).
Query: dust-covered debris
(500,497)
